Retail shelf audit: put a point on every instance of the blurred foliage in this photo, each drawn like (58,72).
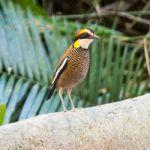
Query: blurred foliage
(32,5)
(30,48)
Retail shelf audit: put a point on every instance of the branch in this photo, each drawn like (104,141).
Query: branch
(146,52)
(145,8)
(129,15)
(122,125)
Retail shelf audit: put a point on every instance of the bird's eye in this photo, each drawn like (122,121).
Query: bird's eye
(90,37)
(86,35)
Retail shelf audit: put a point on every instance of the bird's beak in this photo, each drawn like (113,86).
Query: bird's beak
(96,37)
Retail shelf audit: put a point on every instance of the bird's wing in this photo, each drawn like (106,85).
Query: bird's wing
(61,67)
(62,64)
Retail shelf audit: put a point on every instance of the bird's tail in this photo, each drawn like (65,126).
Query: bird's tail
(50,91)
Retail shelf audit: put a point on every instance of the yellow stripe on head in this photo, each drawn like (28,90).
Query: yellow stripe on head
(83,31)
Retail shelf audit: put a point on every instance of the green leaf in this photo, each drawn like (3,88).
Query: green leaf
(2,112)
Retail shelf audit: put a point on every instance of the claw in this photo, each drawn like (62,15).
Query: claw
(65,110)
(74,109)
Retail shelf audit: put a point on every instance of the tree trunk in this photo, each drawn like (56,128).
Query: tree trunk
(122,125)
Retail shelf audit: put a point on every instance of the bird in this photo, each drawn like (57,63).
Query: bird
(73,65)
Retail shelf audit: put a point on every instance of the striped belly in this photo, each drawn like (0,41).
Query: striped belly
(77,69)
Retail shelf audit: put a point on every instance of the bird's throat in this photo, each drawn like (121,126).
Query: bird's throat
(84,43)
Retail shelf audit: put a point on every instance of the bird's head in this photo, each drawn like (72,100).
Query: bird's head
(84,38)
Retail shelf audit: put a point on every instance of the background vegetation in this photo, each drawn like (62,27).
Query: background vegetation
(35,33)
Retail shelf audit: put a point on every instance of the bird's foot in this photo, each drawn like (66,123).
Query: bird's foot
(76,109)
(73,109)
(65,110)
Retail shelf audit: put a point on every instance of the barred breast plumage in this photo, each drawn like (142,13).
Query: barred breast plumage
(76,69)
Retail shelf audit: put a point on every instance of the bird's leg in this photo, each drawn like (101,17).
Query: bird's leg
(61,97)
(70,98)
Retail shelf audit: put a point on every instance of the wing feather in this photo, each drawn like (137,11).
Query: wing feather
(60,70)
